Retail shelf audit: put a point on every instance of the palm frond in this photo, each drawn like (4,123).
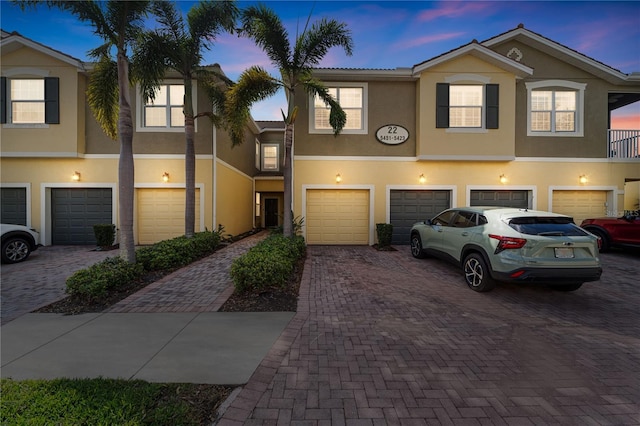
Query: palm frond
(255,84)
(313,45)
(337,116)
(102,95)
(208,18)
(264,27)
(149,63)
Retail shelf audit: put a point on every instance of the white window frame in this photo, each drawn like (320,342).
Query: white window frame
(22,74)
(555,86)
(262,157)
(140,127)
(470,80)
(365,110)
(258,155)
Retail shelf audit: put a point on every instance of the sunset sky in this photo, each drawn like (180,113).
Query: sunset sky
(392,34)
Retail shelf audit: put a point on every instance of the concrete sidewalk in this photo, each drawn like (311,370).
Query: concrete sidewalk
(211,347)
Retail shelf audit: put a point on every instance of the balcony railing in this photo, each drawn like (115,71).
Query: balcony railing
(624,144)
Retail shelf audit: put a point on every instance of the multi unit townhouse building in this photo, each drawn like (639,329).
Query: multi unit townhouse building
(516,120)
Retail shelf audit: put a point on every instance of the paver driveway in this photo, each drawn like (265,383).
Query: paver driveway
(382,338)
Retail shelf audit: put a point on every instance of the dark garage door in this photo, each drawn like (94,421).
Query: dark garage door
(75,211)
(13,206)
(501,198)
(410,206)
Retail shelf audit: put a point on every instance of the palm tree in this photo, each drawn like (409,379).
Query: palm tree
(178,48)
(267,31)
(119,24)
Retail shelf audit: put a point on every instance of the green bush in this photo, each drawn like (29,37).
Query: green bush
(270,263)
(95,281)
(177,252)
(385,232)
(105,234)
(114,273)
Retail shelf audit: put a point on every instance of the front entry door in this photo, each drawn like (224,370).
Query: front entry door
(270,212)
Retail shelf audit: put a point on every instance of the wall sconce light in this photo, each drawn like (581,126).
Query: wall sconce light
(583,179)
(75,177)
(421,178)
(165,177)
(503,178)
(338,178)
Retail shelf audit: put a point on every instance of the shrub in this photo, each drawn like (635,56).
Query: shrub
(105,234)
(95,281)
(385,232)
(177,252)
(270,263)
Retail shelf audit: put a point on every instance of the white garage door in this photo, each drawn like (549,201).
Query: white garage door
(160,214)
(580,204)
(337,216)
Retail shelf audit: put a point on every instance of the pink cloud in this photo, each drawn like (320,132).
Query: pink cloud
(455,9)
(420,41)
(625,122)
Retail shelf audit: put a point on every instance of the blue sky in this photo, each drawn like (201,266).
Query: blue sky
(391,34)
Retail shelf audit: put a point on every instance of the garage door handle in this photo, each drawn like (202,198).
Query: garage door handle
(464,234)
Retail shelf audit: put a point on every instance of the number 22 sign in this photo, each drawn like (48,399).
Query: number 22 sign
(392,134)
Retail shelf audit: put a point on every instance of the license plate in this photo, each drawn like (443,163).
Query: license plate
(564,252)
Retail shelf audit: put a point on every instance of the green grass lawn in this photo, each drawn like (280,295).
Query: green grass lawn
(108,402)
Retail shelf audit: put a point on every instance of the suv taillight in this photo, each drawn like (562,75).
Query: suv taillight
(599,243)
(505,243)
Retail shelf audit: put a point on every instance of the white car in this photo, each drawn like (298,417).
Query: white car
(512,245)
(18,242)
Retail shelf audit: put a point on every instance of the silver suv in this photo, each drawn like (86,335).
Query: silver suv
(512,245)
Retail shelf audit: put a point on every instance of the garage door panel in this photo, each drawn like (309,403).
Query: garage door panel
(74,211)
(13,205)
(337,216)
(500,198)
(410,206)
(580,204)
(160,213)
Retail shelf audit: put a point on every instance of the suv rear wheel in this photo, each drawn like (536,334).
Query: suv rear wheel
(476,273)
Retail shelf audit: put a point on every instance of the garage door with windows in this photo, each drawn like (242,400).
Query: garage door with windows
(13,206)
(74,211)
(407,207)
(501,198)
(337,216)
(160,213)
(580,204)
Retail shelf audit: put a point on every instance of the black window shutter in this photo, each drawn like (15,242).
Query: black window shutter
(442,105)
(492,95)
(52,100)
(3,100)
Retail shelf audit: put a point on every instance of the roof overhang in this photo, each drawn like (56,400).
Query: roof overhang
(564,53)
(15,41)
(478,51)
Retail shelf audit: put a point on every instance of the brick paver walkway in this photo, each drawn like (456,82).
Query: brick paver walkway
(383,339)
(203,286)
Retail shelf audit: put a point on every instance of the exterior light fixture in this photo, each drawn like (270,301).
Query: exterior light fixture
(338,178)
(503,178)
(421,178)
(75,177)
(583,179)
(165,177)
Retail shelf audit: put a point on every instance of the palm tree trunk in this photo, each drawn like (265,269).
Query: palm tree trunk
(190,178)
(287,171)
(125,164)
(189,160)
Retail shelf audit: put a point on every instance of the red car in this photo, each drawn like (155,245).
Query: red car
(615,231)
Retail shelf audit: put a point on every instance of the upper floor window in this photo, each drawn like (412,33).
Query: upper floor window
(30,101)
(166,109)
(353,101)
(467,106)
(270,157)
(166,112)
(555,108)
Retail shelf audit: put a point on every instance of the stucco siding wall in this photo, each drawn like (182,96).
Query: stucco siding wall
(234,200)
